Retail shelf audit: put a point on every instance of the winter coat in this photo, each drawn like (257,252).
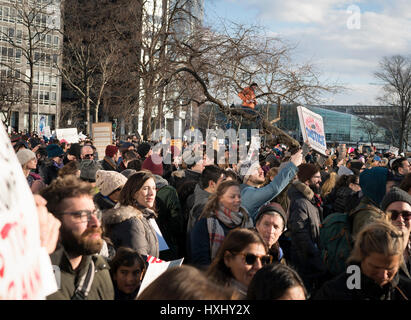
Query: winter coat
(102,202)
(127,226)
(199,201)
(304,224)
(102,286)
(179,177)
(337,289)
(253,198)
(170,221)
(108,164)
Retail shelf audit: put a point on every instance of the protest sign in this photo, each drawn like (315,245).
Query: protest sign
(69,134)
(161,242)
(102,136)
(25,267)
(155,269)
(312,129)
(394,150)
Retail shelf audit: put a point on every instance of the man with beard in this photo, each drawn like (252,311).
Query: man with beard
(304,224)
(252,195)
(81,272)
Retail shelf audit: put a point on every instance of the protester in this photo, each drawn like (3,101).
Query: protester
(28,161)
(73,153)
(397,203)
(377,255)
(242,253)
(50,168)
(127,271)
(276,282)
(401,167)
(304,223)
(222,213)
(247,95)
(109,184)
(144,150)
(109,162)
(128,224)
(271,222)
(83,273)
(185,283)
(252,175)
(88,170)
(71,167)
(87,153)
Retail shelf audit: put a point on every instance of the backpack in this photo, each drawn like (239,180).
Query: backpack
(335,242)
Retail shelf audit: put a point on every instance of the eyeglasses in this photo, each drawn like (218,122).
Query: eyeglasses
(250,258)
(406,215)
(84,215)
(88,156)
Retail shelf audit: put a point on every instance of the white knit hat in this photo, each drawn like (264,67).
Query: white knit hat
(25,155)
(108,181)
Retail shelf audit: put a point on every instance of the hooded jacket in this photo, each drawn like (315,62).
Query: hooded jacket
(200,200)
(373,186)
(304,224)
(127,226)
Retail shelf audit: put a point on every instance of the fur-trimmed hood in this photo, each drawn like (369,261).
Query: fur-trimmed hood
(298,186)
(120,214)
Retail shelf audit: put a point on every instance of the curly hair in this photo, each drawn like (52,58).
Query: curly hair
(65,187)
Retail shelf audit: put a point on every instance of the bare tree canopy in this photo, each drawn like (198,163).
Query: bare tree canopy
(395,74)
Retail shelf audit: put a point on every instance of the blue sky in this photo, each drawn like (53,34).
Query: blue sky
(319,28)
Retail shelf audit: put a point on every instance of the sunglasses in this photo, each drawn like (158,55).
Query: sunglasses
(406,215)
(88,156)
(250,258)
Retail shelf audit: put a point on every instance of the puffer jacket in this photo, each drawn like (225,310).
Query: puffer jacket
(127,226)
(304,224)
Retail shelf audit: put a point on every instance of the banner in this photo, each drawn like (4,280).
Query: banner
(69,134)
(312,129)
(25,267)
(155,269)
(102,137)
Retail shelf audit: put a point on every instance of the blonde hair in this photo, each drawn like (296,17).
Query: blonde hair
(378,237)
(329,184)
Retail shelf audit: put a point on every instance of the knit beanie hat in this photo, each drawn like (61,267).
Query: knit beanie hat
(88,169)
(128,172)
(395,194)
(111,151)
(272,207)
(149,164)
(53,150)
(143,149)
(25,155)
(108,181)
(306,171)
(75,150)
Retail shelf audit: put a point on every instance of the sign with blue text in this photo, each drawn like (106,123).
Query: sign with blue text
(312,128)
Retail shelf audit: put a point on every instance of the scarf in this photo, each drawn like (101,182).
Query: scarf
(231,220)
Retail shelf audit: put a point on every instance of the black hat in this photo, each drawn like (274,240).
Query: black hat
(143,149)
(306,171)
(394,195)
(272,207)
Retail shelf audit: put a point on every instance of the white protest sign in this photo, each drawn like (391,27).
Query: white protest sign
(394,150)
(312,128)
(161,242)
(47,132)
(25,267)
(102,136)
(155,269)
(69,134)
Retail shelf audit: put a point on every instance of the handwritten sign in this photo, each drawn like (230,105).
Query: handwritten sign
(25,268)
(69,134)
(155,269)
(312,128)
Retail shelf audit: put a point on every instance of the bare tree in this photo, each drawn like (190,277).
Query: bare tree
(29,41)
(395,74)
(370,128)
(10,96)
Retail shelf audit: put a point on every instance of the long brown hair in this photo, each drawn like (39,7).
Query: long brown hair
(133,184)
(214,200)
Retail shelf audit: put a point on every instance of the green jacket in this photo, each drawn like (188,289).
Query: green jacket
(366,212)
(101,288)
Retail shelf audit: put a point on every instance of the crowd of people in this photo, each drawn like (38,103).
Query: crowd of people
(284,227)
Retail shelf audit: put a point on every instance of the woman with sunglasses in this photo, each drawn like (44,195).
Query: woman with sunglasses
(221,214)
(242,253)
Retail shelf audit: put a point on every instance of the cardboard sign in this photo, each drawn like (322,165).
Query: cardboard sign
(155,269)
(69,134)
(25,267)
(394,150)
(312,128)
(102,136)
